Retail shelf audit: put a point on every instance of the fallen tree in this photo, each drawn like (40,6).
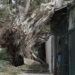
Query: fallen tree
(31,18)
(33,21)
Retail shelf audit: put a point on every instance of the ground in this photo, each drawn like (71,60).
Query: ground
(27,74)
(34,74)
(7,69)
(29,67)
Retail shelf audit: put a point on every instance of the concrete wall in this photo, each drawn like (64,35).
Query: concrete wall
(72,42)
(50,53)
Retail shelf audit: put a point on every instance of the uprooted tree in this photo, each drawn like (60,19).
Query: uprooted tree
(33,19)
(30,21)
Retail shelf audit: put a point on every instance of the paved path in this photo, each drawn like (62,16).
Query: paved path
(34,74)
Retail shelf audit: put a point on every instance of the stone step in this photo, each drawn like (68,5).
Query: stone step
(35,68)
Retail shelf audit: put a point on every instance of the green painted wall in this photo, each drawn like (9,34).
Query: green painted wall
(72,43)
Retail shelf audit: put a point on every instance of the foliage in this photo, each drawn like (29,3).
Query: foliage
(3,54)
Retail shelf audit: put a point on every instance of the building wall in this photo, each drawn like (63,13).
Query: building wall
(72,42)
(50,53)
(60,28)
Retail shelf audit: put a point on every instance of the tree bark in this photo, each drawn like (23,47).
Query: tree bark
(31,22)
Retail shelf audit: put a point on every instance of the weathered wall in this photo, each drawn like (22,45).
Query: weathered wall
(59,28)
(50,53)
(72,43)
